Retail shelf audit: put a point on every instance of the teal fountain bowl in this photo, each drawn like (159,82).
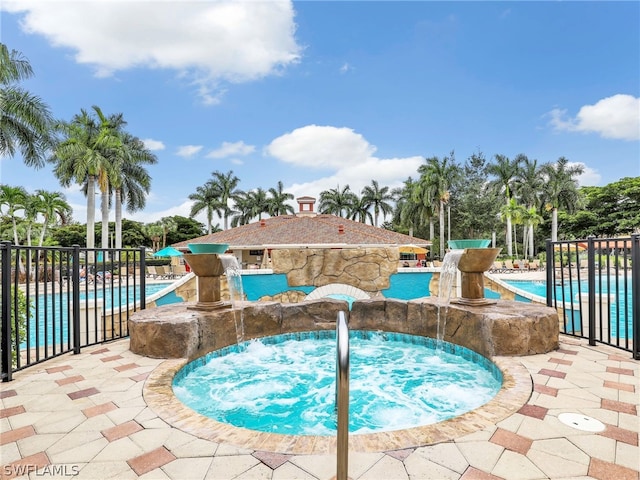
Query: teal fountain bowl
(208,247)
(461,244)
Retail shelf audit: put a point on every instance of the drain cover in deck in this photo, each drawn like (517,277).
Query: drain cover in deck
(581,422)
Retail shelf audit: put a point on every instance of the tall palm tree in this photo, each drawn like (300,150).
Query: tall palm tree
(407,212)
(437,176)
(278,201)
(51,205)
(377,197)
(515,213)
(84,157)
(15,200)
(207,199)
(360,210)
(249,205)
(529,183)
(336,202)
(131,182)
(505,172)
(561,189)
(531,219)
(25,120)
(168,224)
(227,184)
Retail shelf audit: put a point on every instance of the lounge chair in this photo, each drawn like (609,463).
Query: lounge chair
(151,271)
(497,267)
(179,270)
(508,266)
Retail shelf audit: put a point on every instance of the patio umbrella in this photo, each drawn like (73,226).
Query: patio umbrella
(168,252)
(412,249)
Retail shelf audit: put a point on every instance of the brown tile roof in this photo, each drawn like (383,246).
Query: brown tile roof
(308,230)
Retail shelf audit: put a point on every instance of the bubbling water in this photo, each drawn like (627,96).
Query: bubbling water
(285,384)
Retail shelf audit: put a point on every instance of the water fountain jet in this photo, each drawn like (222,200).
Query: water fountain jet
(476,258)
(206,264)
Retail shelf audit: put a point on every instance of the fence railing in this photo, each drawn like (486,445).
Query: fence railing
(56,300)
(595,286)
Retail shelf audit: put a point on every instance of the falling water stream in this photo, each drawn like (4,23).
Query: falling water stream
(448,273)
(236,293)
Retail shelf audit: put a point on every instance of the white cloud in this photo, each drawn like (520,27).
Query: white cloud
(229,149)
(319,147)
(152,144)
(616,117)
(187,151)
(346,155)
(589,177)
(205,42)
(345,68)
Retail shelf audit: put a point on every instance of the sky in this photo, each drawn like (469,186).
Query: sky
(324,94)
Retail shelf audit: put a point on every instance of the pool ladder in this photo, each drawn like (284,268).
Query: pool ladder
(342,396)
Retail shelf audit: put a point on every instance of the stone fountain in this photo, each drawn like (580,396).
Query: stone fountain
(206,264)
(475,259)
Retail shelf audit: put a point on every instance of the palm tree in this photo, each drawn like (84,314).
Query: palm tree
(51,205)
(206,198)
(437,176)
(531,219)
(377,197)
(85,157)
(359,210)
(337,202)
(25,120)
(407,212)
(506,172)
(249,205)
(226,184)
(515,213)
(131,181)
(529,184)
(14,199)
(154,232)
(561,189)
(168,224)
(278,201)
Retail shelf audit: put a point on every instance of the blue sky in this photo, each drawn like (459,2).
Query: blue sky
(325,94)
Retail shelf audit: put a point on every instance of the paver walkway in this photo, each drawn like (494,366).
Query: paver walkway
(84,416)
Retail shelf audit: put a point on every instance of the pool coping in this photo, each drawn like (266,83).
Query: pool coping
(516,390)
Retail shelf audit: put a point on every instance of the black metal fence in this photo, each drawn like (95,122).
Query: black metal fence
(56,300)
(595,286)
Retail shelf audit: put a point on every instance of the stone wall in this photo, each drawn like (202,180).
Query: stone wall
(506,328)
(368,269)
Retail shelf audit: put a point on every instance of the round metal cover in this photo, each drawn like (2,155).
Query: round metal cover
(581,422)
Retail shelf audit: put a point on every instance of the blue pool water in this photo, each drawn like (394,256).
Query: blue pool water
(46,307)
(620,310)
(286,384)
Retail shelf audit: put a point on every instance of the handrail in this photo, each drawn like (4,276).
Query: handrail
(342,396)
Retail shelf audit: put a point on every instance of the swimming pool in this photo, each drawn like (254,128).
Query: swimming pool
(286,384)
(49,313)
(620,309)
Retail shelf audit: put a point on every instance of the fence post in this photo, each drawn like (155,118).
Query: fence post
(143,276)
(75,295)
(635,293)
(549,270)
(591,288)
(7,366)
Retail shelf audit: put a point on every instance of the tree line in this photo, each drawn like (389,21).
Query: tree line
(476,199)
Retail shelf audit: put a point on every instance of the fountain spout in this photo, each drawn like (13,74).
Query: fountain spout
(208,267)
(472,264)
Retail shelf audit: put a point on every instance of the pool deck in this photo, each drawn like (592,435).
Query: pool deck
(85,416)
